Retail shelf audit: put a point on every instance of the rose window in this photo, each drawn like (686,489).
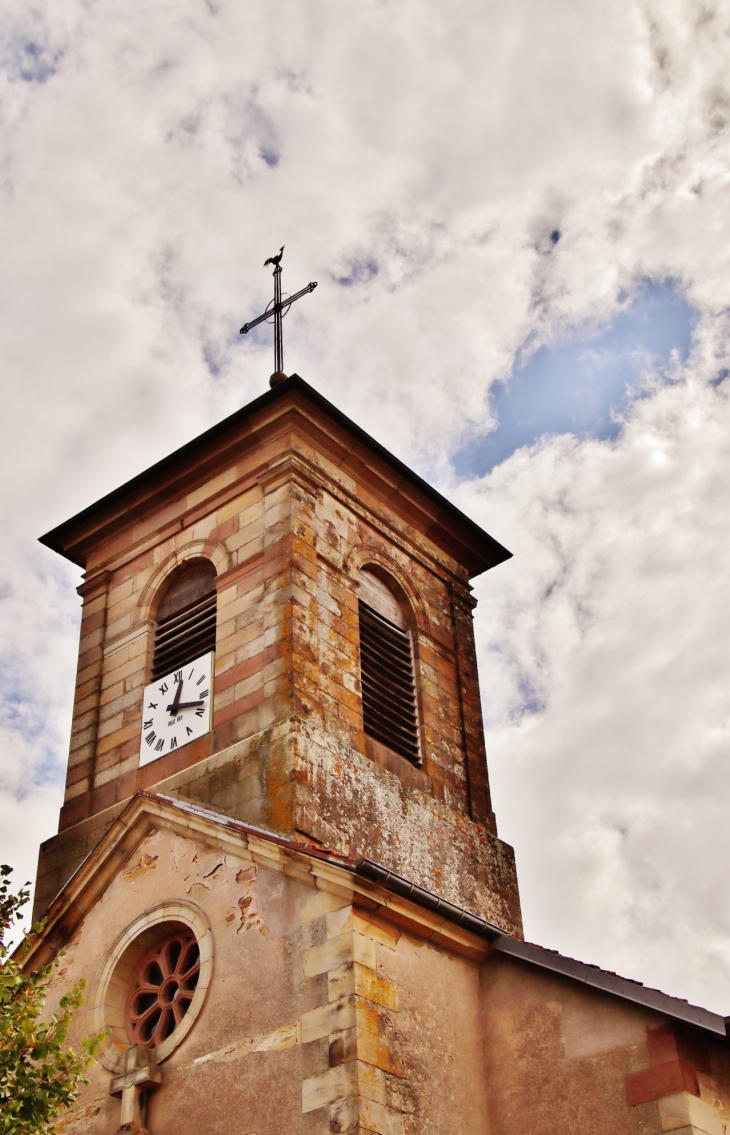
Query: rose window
(162,989)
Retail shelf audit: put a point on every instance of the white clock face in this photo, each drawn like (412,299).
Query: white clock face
(177,709)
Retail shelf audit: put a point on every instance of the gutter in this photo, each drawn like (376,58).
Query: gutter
(408,890)
(591,976)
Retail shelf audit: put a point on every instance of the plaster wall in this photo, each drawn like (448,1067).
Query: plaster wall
(439,1038)
(256,998)
(558,1054)
(321,1016)
(335,1006)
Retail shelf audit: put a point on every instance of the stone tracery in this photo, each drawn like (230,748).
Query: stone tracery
(162,990)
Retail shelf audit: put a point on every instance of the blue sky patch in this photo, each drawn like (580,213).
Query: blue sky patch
(358,272)
(29,61)
(579,385)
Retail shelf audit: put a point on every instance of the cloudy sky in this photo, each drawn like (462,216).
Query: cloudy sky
(519,218)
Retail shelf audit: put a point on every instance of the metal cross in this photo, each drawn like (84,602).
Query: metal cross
(140,1074)
(278,309)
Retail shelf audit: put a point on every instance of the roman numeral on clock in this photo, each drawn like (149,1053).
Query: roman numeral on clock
(173,743)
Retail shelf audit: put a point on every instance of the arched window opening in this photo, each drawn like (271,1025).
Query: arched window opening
(186,619)
(386,669)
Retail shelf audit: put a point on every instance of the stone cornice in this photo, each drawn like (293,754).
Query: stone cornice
(291,407)
(295,464)
(96,584)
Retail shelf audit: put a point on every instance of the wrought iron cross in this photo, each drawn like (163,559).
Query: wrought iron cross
(140,1074)
(277,309)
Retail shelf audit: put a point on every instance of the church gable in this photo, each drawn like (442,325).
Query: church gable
(319,995)
(245,921)
(303,971)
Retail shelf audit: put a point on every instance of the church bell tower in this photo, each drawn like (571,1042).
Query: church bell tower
(277,868)
(277,626)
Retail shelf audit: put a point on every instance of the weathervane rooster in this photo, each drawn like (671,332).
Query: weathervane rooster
(275,260)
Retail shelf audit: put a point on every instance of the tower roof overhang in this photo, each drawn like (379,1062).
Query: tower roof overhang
(345,444)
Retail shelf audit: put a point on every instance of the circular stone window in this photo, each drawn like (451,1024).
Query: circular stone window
(163,989)
(151,986)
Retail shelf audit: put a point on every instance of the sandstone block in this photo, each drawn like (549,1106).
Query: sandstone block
(334,1084)
(685,1110)
(348,947)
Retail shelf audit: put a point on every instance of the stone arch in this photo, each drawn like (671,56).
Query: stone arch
(212,550)
(109,988)
(370,555)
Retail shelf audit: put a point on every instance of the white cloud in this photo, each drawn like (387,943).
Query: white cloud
(604,649)
(152,156)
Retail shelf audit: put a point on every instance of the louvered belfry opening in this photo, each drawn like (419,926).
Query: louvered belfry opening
(386,670)
(186,619)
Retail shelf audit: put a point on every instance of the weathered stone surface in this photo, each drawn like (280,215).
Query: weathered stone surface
(326,1004)
(301,1029)
(295,778)
(287,528)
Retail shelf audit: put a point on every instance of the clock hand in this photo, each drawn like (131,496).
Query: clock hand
(189,704)
(172,709)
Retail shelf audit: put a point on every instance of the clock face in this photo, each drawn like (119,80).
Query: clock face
(177,709)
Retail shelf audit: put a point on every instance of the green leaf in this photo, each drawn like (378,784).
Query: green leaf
(39,1077)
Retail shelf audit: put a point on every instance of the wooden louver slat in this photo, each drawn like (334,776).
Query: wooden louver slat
(388,691)
(184,636)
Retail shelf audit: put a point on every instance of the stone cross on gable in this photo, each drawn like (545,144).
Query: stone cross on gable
(140,1074)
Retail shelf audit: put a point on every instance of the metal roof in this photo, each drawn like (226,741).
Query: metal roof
(612,984)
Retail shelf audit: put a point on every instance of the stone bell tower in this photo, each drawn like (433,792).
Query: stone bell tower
(327,587)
